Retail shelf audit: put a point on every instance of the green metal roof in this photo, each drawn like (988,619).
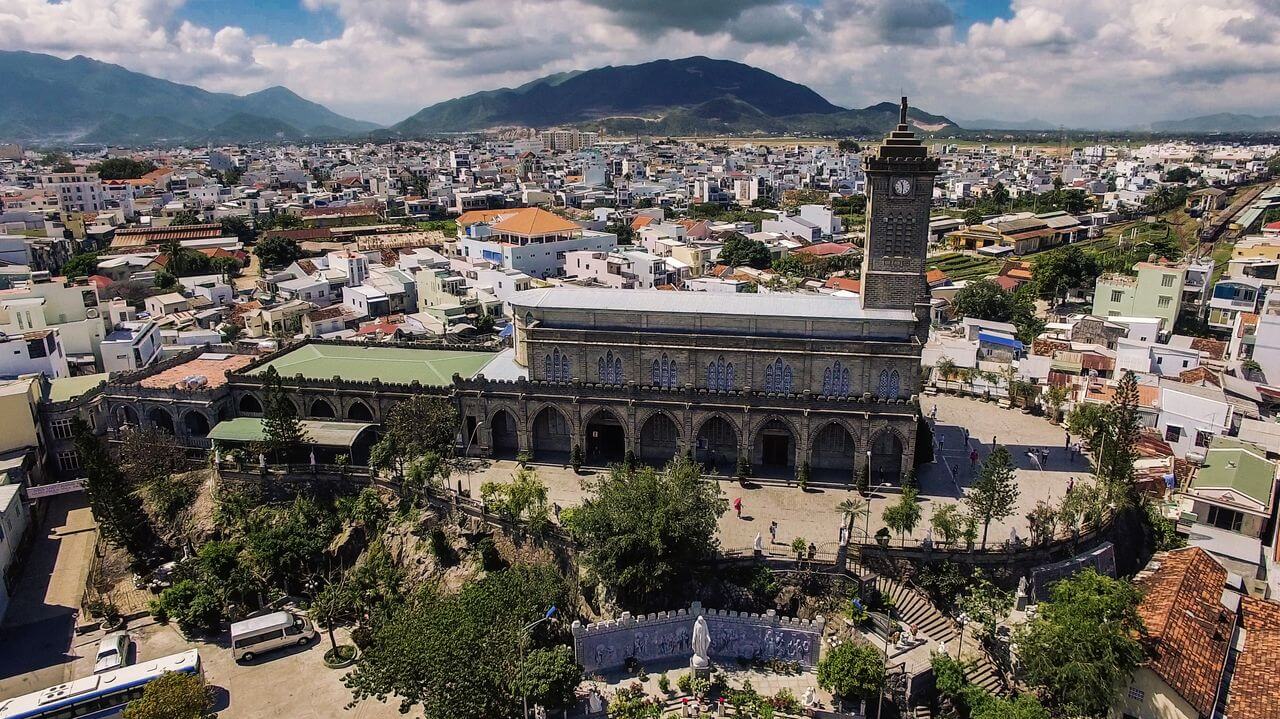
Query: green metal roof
(396,365)
(319,433)
(64,388)
(1236,466)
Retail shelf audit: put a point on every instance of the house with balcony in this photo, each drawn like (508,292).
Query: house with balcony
(1192,415)
(1231,297)
(623,269)
(1227,506)
(1154,290)
(530,240)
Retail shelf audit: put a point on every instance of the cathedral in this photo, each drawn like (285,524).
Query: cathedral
(783,380)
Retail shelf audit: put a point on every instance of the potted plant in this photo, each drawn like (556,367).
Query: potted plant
(882,536)
(575,458)
(743,468)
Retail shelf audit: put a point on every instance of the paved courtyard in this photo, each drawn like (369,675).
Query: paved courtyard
(813,514)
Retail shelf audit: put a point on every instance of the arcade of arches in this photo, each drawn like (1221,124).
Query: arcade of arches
(776,444)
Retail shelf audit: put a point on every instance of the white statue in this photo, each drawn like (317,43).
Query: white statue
(313,458)
(809,698)
(701,642)
(758,545)
(594,703)
(942,647)
(262,460)
(217,455)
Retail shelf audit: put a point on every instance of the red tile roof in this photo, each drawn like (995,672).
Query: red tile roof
(827,249)
(1188,628)
(1216,349)
(1255,689)
(848,284)
(213,370)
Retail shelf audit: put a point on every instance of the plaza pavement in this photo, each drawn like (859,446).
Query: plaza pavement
(813,514)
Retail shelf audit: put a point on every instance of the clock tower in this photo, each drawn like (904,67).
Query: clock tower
(899,194)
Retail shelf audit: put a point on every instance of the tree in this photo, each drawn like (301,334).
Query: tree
(847,145)
(282,432)
(333,604)
(987,605)
(122,168)
(947,522)
(192,604)
(152,459)
(984,705)
(994,494)
(81,265)
(1056,273)
(1082,647)
(277,251)
(112,500)
(985,300)
(903,516)
(643,556)
(238,226)
(972,216)
(549,677)
(186,217)
(280,221)
(172,696)
(1117,452)
(484,323)
(852,671)
(455,656)
(1000,194)
(1088,420)
(522,500)
(852,510)
(420,425)
(946,369)
(1054,398)
(738,251)
(57,162)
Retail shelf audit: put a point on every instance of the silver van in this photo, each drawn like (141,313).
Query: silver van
(258,635)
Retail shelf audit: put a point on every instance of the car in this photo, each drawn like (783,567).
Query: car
(113,653)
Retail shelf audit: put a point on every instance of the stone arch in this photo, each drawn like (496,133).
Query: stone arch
(195,424)
(834,450)
(605,436)
(359,411)
(716,444)
(160,418)
(249,404)
(504,437)
(126,416)
(659,438)
(773,446)
(887,447)
(552,434)
(321,409)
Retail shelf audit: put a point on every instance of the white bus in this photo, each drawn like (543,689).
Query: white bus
(98,696)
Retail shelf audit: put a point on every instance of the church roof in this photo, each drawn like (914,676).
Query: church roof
(771,303)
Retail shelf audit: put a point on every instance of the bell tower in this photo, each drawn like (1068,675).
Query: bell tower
(899,194)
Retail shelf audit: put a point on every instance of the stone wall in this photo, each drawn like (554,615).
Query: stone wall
(606,646)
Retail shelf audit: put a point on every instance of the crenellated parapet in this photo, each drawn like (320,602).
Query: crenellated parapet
(607,645)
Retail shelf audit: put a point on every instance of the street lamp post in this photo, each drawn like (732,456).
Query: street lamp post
(866,532)
(466,453)
(963,621)
(524,631)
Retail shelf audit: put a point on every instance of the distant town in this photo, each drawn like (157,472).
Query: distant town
(677,426)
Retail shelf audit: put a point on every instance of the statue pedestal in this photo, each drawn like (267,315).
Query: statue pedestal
(700,668)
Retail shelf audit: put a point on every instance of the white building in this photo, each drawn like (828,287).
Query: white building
(1191,415)
(130,346)
(530,240)
(77,191)
(36,351)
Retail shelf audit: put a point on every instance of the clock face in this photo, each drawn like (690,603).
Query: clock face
(902,186)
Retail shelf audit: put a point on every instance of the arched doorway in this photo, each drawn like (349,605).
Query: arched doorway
(161,419)
(774,450)
(552,435)
(659,439)
(505,440)
(717,445)
(195,424)
(833,453)
(606,438)
(886,458)
(360,412)
(126,416)
(249,404)
(321,409)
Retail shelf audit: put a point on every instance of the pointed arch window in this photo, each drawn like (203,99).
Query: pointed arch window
(556,366)
(778,377)
(720,375)
(835,380)
(663,372)
(890,384)
(609,368)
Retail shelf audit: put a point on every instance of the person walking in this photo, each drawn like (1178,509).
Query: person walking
(737,506)
(1066,443)
(773,532)
(973,459)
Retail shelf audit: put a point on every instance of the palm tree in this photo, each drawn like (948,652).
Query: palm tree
(852,509)
(946,368)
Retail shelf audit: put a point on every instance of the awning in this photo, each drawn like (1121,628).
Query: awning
(998,339)
(320,433)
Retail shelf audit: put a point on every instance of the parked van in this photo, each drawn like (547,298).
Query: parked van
(258,635)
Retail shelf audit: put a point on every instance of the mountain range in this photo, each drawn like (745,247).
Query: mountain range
(48,99)
(693,95)
(1221,122)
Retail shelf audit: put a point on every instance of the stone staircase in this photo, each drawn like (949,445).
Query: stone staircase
(916,610)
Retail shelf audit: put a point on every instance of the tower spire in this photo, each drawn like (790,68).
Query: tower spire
(902,111)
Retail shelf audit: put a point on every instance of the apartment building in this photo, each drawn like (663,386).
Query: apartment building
(76,191)
(1155,291)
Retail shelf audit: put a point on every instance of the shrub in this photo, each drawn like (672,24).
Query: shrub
(441,549)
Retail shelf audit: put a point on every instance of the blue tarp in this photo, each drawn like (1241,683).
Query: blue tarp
(509,330)
(996,339)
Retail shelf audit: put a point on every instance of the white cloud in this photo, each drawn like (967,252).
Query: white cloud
(1087,62)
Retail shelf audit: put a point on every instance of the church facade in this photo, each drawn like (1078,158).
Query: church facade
(784,380)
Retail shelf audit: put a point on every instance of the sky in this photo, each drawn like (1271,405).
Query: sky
(1081,63)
